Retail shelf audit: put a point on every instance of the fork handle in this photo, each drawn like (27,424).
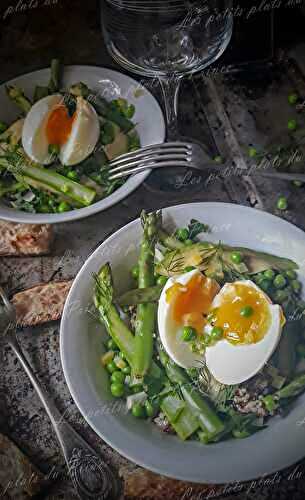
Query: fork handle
(91,476)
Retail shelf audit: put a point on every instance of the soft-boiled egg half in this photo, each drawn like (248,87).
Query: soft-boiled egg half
(185,301)
(247,324)
(49,123)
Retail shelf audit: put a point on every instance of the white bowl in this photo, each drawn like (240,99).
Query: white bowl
(111,84)
(274,448)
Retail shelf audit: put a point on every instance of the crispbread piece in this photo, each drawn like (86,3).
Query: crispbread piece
(25,239)
(19,479)
(41,303)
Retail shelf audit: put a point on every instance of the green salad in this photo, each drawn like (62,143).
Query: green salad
(55,157)
(209,343)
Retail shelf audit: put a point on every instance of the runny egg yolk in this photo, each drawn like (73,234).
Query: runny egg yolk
(237,327)
(192,301)
(59,125)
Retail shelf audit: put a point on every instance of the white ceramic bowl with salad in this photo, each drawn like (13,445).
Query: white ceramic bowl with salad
(205,380)
(59,128)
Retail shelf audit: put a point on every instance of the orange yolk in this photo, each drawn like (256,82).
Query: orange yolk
(237,328)
(191,302)
(59,125)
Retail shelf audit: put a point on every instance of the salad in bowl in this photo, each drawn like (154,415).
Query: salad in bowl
(54,157)
(209,342)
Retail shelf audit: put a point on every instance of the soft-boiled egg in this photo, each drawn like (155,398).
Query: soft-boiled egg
(247,325)
(49,123)
(184,301)
(251,327)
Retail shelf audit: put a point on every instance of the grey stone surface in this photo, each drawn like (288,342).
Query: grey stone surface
(240,113)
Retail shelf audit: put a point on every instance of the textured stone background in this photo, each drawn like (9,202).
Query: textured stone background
(241,111)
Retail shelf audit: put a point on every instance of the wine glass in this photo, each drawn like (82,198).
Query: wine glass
(166,40)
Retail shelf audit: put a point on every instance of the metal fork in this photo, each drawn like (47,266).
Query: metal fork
(187,155)
(167,154)
(91,476)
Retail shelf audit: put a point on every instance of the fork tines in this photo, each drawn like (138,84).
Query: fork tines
(158,155)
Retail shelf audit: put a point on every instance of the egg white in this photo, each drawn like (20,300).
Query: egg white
(169,332)
(233,364)
(34,139)
(83,138)
(84,134)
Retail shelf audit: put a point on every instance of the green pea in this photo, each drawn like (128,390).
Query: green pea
(293,99)
(122,355)
(216,333)
(269,274)
(246,311)
(252,152)
(188,334)
(298,184)
(162,280)
(72,175)
(126,370)
(296,285)
(118,377)
(259,277)
(282,203)
(138,411)
(279,281)
(117,390)
(292,125)
(3,127)
(301,350)
(63,207)
(292,275)
(188,269)
(182,234)
(236,257)
(111,345)
(150,408)
(265,284)
(281,295)
(135,272)
(111,367)
(188,243)
(53,149)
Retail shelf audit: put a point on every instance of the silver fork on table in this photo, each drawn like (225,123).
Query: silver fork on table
(91,476)
(181,154)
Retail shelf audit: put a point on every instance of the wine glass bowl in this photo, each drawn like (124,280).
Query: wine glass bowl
(161,38)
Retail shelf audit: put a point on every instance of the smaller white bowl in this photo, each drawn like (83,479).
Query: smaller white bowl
(110,84)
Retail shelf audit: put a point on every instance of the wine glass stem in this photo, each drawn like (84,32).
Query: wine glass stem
(170,88)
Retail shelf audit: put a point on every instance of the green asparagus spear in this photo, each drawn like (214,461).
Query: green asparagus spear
(17,96)
(140,296)
(54,83)
(146,313)
(207,417)
(185,424)
(103,299)
(291,390)
(18,165)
